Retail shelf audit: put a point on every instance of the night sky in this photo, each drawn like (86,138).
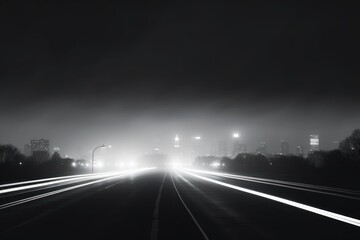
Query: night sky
(135,73)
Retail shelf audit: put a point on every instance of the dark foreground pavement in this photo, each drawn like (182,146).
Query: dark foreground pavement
(165,204)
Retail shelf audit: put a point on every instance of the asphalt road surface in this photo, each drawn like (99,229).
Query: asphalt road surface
(156,203)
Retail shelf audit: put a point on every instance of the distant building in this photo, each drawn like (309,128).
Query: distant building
(262,149)
(300,150)
(222,148)
(39,145)
(238,147)
(56,149)
(195,146)
(177,144)
(27,150)
(284,148)
(40,150)
(314,143)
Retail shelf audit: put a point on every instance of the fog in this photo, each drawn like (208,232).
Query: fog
(134,75)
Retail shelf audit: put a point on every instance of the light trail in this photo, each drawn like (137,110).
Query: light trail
(286,184)
(336,216)
(25,200)
(61,180)
(43,180)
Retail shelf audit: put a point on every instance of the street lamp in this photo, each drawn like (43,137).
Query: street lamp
(92,160)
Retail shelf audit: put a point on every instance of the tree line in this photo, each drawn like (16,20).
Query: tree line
(16,166)
(336,167)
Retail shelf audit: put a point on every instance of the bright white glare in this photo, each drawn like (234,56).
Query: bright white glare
(197,138)
(132,164)
(215,164)
(236,135)
(336,216)
(109,146)
(20,163)
(99,164)
(175,164)
(176,138)
(73,164)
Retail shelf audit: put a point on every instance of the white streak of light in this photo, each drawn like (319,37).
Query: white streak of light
(47,179)
(87,177)
(282,183)
(336,216)
(11,204)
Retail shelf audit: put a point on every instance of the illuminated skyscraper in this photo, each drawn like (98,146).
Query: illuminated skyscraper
(222,148)
(177,143)
(195,146)
(40,150)
(314,143)
(236,149)
(284,148)
(39,145)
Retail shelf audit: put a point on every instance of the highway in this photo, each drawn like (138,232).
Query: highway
(153,203)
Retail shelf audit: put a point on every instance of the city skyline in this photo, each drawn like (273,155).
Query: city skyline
(191,145)
(269,78)
(179,120)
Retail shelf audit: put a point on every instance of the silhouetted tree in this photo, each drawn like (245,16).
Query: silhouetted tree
(351,145)
(9,154)
(317,159)
(250,162)
(225,162)
(289,164)
(56,157)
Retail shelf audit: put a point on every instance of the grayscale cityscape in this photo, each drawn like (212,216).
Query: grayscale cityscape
(179,120)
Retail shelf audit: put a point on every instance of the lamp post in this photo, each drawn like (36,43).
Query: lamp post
(92,160)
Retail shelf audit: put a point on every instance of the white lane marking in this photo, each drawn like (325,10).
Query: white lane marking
(25,200)
(111,185)
(188,210)
(155,222)
(336,216)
